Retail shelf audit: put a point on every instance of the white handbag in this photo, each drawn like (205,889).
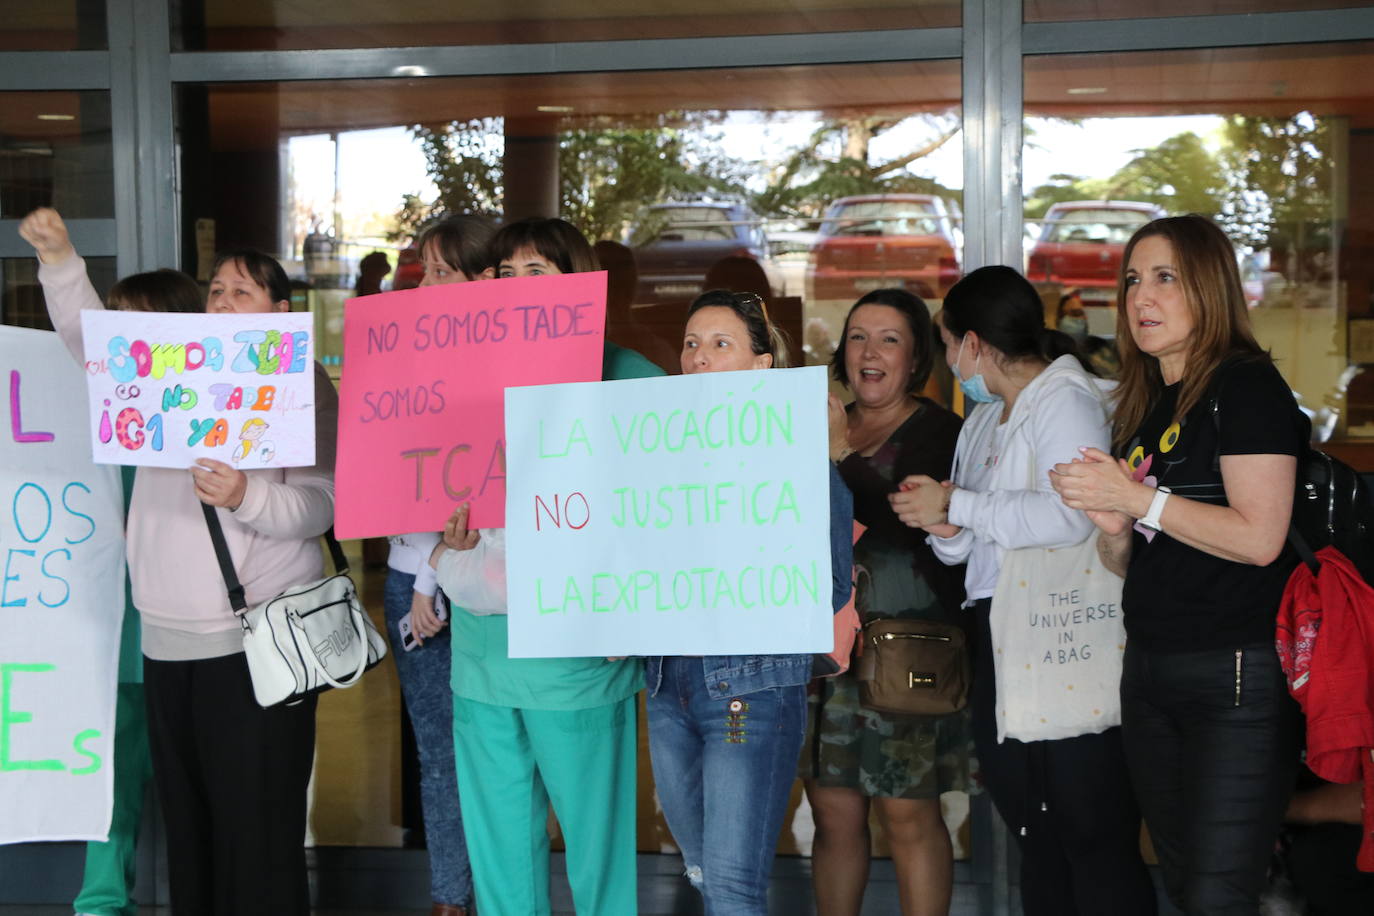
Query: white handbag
(307,639)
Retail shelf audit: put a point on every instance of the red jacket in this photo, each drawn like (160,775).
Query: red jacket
(1326,645)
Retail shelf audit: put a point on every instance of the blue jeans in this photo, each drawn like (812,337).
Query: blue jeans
(424,674)
(724,771)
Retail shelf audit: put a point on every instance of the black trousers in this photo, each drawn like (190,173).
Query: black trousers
(1212,740)
(232,777)
(1070,806)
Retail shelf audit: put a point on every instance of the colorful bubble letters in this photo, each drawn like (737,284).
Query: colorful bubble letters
(166,390)
(669,516)
(61,601)
(420,409)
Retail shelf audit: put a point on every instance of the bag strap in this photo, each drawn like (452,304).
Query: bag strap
(226,562)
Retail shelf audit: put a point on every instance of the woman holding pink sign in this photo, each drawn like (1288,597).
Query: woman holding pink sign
(231,774)
(453,250)
(530,731)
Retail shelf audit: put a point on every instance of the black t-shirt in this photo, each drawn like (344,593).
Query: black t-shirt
(1176,597)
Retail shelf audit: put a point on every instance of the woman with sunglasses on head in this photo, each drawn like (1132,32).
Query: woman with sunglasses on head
(858,757)
(1194,512)
(453,250)
(232,776)
(725,798)
(530,731)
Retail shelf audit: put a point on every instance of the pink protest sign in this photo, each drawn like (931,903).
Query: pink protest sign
(421,399)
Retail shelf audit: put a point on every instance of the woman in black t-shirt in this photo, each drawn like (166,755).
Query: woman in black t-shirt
(1194,511)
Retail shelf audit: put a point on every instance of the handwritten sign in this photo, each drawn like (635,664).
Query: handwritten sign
(61,601)
(420,409)
(669,516)
(168,389)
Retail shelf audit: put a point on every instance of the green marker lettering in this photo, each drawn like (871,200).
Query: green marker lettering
(81,738)
(10,717)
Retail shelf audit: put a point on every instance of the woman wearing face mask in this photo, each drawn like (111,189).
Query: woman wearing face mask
(1072,318)
(530,731)
(232,775)
(862,758)
(725,801)
(453,250)
(1068,801)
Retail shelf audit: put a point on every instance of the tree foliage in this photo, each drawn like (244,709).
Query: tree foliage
(1278,191)
(835,162)
(607,171)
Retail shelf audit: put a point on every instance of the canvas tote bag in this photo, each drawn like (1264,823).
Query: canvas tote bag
(1057,640)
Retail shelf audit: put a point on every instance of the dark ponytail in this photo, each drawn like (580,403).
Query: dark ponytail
(1003,309)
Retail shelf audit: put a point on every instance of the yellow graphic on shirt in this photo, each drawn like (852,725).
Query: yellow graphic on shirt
(1170,438)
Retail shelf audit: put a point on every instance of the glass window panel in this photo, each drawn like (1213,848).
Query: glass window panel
(21,298)
(684,168)
(55,152)
(1272,143)
(1069,10)
(53,25)
(269,24)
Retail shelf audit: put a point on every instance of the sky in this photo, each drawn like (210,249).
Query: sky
(377,167)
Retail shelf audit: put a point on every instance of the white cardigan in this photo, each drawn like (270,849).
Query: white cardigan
(1063,408)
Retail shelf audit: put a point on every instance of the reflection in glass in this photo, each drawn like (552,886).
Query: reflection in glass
(53,25)
(713,173)
(55,152)
(1264,141)
(21,298)
(282,24)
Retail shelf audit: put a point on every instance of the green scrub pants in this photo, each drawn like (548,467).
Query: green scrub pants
(108,884)
(511,763)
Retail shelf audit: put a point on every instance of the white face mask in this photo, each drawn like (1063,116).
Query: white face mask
(975,387)
(1076,326)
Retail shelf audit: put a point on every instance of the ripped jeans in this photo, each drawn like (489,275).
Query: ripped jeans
(724,770)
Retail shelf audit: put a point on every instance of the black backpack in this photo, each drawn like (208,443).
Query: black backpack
(1331,506)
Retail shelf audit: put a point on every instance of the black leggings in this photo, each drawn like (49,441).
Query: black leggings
(1070,806)
(1212,740)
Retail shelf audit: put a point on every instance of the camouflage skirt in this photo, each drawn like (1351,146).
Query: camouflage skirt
(882,754)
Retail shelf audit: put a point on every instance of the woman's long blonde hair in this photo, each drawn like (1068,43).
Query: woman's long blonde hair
(1210,277)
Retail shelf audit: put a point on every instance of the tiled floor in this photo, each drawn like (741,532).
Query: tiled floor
(663,892)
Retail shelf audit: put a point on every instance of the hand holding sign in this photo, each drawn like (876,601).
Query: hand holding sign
(218,484)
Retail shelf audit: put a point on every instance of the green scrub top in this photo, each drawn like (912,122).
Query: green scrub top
(482,669)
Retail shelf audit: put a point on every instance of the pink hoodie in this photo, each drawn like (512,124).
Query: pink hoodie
(273,536)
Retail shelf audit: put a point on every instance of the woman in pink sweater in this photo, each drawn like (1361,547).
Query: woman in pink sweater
(232,776)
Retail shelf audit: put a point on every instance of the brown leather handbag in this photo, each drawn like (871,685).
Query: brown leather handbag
(914,667)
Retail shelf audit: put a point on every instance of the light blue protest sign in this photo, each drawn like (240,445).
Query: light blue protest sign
(669,516)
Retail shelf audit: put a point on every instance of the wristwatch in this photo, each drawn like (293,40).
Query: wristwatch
(1151,519)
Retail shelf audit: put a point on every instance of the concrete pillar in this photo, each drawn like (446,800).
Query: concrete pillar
(531,167)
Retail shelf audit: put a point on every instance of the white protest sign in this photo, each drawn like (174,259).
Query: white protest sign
(61,601)
(166,389)
(669,516)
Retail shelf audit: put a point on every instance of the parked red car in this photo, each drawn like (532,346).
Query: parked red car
(908,241)
(1082,243)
